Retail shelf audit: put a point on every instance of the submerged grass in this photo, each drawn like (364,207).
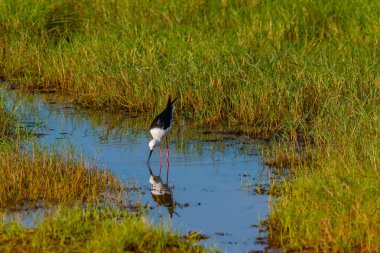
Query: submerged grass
(306,72)
(9,129)
(91,230)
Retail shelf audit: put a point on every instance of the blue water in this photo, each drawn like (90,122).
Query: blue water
(207,188)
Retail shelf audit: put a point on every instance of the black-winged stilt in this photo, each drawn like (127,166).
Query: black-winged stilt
(160,127)
(161,192)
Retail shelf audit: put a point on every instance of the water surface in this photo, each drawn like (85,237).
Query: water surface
(209,187)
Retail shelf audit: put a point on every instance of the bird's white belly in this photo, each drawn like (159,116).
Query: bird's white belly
(158,133)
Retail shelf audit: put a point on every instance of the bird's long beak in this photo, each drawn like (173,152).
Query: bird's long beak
(150,169)
(150,154)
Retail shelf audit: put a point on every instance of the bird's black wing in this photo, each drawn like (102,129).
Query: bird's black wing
(162,120)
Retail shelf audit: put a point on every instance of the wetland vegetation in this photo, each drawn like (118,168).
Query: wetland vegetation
(85,209)
(90,230)
(303,73)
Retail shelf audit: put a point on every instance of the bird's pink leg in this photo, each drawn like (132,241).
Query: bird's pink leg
(167,149)
(161,156)
(167,171)
(167,153)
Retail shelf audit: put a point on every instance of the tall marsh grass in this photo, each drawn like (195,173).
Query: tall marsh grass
(331,203)
(303,71)
(280,65)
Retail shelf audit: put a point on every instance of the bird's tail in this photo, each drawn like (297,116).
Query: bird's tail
(170,103)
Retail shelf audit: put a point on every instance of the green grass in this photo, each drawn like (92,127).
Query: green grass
(91,230)
(296,70)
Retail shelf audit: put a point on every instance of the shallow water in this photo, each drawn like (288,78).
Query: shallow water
(210,181)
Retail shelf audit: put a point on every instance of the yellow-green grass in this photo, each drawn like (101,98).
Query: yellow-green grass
(90,230)
(33,176)
(37,177)
(297,70)
(331,205)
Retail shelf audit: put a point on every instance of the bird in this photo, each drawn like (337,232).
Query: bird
(160,127)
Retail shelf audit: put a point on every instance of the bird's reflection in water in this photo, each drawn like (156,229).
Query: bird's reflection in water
(160,191)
